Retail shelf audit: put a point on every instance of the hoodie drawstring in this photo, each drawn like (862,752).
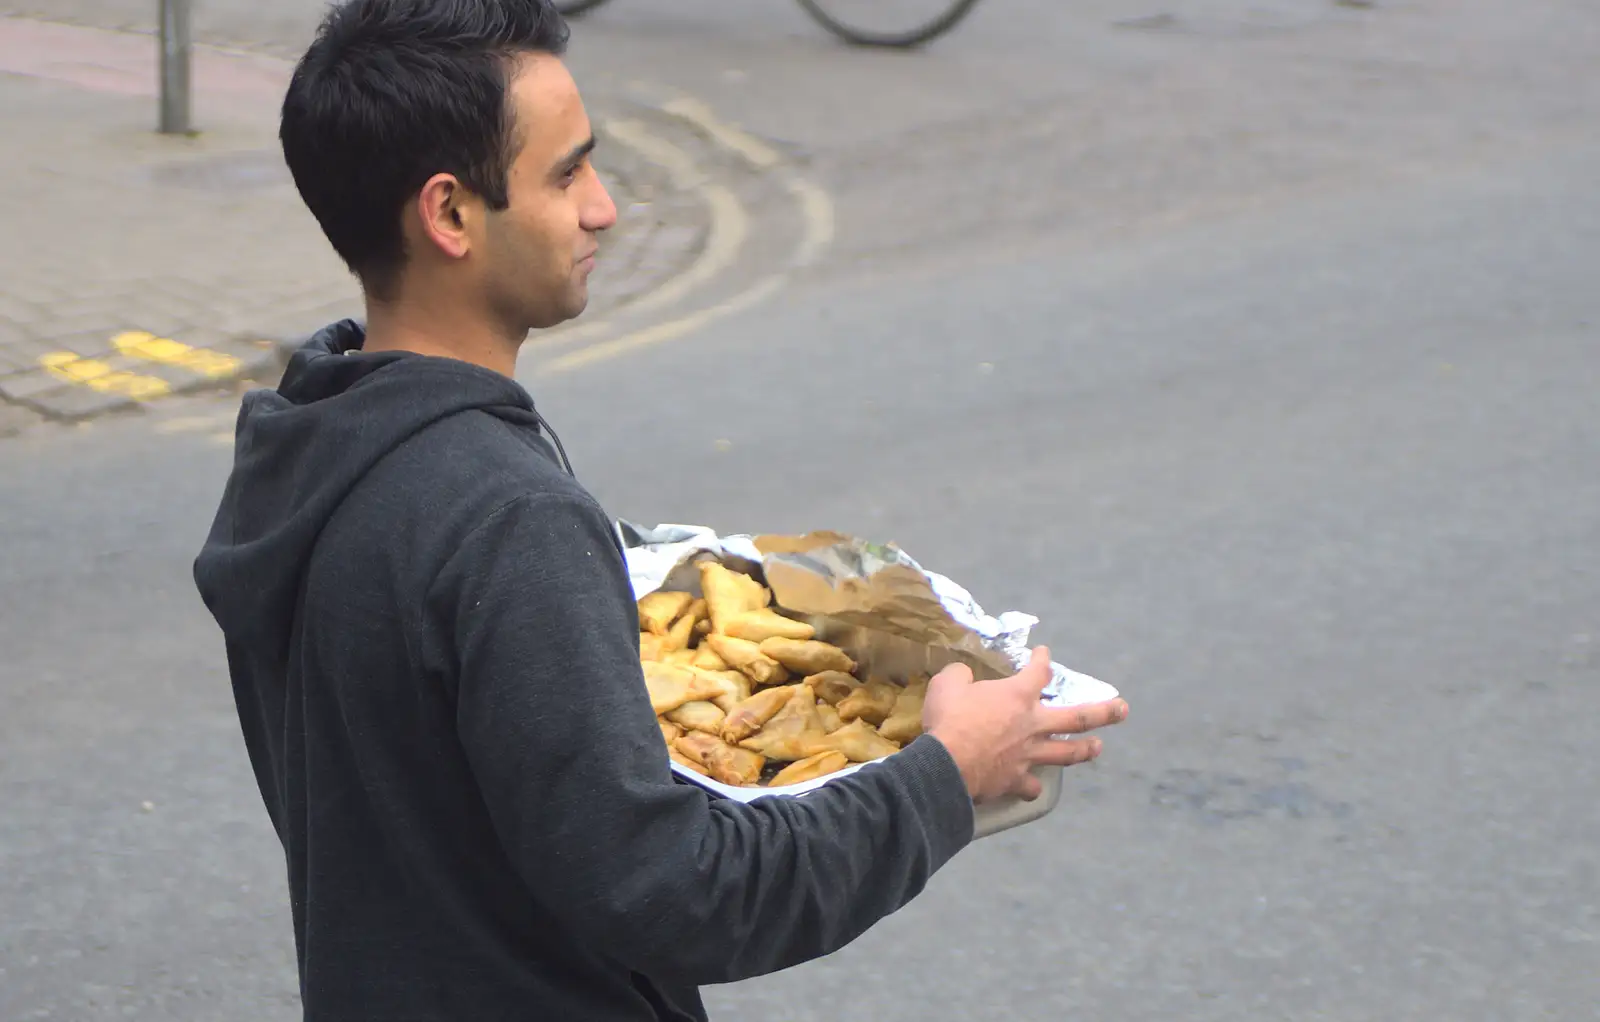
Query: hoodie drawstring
(557,441)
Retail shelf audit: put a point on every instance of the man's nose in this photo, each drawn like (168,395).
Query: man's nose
(599,213)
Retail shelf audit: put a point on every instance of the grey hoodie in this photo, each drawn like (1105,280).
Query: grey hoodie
(434,652)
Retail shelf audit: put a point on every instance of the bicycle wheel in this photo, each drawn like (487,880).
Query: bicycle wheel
(573,8)
(893,23)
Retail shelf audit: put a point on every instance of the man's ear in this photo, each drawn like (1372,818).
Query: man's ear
(444,211)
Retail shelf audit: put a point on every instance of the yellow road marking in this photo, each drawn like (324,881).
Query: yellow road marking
(679,165)
(666,331)
(729,222)
(756,152)
(730,225)
(97,375)
(816,209)
(141,344)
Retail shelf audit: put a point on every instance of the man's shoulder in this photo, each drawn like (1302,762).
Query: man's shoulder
(459,472)
(477,450)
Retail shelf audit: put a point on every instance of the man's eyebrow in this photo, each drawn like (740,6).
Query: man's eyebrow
(575,157)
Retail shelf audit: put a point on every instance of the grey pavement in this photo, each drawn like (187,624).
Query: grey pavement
(1258,360)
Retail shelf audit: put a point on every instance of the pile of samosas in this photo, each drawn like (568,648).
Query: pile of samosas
(749,697)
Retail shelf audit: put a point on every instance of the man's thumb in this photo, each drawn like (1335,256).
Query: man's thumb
(1038,672)
(950,677)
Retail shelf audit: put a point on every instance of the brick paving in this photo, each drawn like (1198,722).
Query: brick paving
(140,265)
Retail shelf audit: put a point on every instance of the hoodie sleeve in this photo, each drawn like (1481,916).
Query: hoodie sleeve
(555,719)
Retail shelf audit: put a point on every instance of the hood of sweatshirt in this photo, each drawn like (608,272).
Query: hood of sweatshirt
(300,449)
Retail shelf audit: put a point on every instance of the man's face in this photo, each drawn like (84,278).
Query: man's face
(541,248)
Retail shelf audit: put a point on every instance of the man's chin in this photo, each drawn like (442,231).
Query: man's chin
(579,302)
(576,309)
(568,312)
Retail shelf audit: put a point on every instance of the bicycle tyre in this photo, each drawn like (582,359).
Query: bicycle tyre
(930,30)
(573,8)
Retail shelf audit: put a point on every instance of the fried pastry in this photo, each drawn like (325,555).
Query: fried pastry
(856,740)
(700,613)
(747,658)
(671,686)
(680,758)
(733,688)
(650,646)
(810,768)
(659,609)
(829,717)
(792,731)
(905,720)
(722,761)
(729,593)
(750,715)
(766,623)
(698,715)
(833,686)
(706,659)
(872,702)
(807,656)
(718,667)
(679,634)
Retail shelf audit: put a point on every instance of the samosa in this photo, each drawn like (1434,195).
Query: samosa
(791,732)
(810,768)
(833,686)
(746,657)
(829,717)
(707,659)
(722,761)
(669,730)
(681,759)
(698,715)
(671,686)
(659,609)
(766,623)
(679,634)
(729,593)
(807,656)
(872,702)
(904,722)
(856,740)
(753,713)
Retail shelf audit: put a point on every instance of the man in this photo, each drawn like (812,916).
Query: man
(429,626)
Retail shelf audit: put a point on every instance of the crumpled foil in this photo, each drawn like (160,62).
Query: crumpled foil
(871,599)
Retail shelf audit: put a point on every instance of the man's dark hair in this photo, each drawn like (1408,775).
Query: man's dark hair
(392,92)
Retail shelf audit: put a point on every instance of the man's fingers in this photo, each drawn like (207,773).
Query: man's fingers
(1072,720)
(1038,671)
(953,674)
(1064,753)
(1029,788)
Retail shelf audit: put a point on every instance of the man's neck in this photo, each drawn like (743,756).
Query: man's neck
(401,328)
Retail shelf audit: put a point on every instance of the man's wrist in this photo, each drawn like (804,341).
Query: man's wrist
(963,759)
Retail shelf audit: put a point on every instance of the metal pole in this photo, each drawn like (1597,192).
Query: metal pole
(175,67)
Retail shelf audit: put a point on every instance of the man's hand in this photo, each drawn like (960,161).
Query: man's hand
(997,731)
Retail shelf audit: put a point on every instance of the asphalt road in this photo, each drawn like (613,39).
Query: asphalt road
(1266,376)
